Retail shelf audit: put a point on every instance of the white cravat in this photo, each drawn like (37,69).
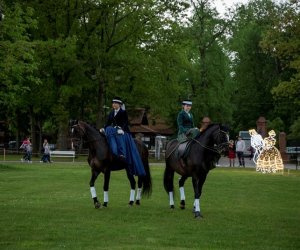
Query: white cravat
(116,111)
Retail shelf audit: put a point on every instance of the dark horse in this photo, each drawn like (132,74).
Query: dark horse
(204,151)
(101,160)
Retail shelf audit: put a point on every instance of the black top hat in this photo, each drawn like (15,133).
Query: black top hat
(117,100)
(187,102)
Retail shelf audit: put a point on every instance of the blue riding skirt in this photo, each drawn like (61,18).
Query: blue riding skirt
(125,145)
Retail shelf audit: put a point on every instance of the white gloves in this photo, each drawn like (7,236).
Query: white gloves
(120,131)
(102,130)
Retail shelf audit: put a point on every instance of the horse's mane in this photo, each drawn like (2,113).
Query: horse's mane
(205,134)
(90,130)
(208,129)
(210,126)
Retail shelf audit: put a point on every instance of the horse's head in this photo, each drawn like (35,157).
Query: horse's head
(77,131)
(220,137)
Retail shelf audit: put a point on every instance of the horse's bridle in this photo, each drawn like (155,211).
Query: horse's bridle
(219,147)
(84,132)
(75,139)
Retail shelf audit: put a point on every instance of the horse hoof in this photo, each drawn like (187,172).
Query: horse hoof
(172,206)
(130,203)
(137,202)
(97,205)
(182,204)
(105,204)
(198,215)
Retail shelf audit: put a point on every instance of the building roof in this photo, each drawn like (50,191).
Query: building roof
(138,116)
(139,123)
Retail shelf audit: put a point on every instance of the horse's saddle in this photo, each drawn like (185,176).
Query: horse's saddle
(183,149)
(185,142)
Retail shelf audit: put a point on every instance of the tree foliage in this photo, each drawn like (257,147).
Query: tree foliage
(255,71)
(68,59)
(283,42)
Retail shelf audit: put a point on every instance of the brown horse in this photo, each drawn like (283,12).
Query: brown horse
(101,160)
(203,153)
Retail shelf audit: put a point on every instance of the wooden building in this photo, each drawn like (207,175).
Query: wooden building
(147,127)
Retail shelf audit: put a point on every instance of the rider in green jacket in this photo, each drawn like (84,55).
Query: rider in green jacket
(185,119)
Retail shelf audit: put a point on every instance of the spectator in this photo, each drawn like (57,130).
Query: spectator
(231,153)
(204,123)
(240,148)
(27,147)
(46,152)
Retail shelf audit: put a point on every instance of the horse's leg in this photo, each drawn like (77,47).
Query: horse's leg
(198,184)
(93,190)
(106,187)
(181,190)
(197,197)
(168,184)
(132,186)
(139,191)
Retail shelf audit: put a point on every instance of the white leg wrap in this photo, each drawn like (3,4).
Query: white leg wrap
(197,205)
(171,198)
(138,194)
(132,193)
(182,195)
(105,196)
(93,192)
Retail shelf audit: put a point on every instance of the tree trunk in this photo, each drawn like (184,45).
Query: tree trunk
(62,137)
(100,104)
(33,130)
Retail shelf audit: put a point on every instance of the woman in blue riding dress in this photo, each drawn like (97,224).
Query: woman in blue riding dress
(119,138)
(117,119)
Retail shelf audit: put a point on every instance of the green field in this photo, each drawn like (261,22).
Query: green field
(48,206)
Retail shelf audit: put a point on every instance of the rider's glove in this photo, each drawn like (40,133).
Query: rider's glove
(120,131)
(102,130)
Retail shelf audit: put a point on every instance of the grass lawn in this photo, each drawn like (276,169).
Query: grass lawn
(48,206)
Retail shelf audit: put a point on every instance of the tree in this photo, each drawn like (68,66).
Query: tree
(18,67)
(124,34)
(255,72)
(282,42)
(88,51)
(209,71)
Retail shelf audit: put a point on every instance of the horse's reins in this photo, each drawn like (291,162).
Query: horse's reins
(207,147)
(213,149)
(218,151)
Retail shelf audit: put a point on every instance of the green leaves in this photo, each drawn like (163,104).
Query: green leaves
(69,58)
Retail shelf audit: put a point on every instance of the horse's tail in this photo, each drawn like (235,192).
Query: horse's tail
(168,178)
(147,179)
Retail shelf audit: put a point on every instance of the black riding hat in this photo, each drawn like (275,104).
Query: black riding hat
(117,100)
(187,102)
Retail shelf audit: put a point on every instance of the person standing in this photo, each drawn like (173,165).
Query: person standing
(185,120)
(231,153)
(205,123)
(240,148)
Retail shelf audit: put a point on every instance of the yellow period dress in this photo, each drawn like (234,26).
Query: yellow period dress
(269,161)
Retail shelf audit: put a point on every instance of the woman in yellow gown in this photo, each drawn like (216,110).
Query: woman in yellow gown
(269,159)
